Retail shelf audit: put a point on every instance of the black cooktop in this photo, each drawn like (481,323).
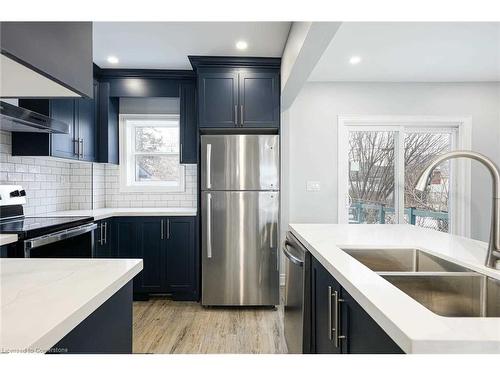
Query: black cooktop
(29,227)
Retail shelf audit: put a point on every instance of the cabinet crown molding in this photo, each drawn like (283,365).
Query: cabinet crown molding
(234,61)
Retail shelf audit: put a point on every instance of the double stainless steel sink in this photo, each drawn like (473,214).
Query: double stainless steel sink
(443,287)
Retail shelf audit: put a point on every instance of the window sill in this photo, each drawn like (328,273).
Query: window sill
(151,189)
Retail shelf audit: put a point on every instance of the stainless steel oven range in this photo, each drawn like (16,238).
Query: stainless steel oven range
(43,236)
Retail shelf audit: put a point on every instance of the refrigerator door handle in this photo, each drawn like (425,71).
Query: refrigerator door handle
(209,225)
(209,164)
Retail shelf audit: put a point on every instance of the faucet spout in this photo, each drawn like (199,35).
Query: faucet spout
(493,256)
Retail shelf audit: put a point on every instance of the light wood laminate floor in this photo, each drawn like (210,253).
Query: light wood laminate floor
(165,326)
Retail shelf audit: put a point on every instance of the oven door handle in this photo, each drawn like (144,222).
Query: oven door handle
(57,236)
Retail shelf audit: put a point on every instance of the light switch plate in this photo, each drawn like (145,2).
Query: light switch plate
(313,186)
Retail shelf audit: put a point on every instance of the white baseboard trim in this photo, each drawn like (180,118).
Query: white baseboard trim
(282,279)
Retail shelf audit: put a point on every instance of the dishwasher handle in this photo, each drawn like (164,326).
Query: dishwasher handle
(299,262)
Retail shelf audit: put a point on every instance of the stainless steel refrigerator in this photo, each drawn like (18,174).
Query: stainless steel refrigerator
(240,208)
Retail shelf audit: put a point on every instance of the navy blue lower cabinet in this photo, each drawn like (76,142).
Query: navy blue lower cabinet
(181,263)
(102,239)
(124,237)
(151,248)
(168,247)
(3,251)
(339,325)
(363,334)
(323,315)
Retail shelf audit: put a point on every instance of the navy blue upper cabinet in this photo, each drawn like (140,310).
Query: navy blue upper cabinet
(188,124)
(86,129)
(60,51)
(63,145)
(218,98)
(233,97)
(259,99)
(238,92)
(107,125)
(79,144)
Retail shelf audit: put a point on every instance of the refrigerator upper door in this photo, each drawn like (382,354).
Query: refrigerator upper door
(240,248)
(240,162)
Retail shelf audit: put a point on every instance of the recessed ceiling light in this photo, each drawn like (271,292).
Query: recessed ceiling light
(113,59)
(241,44)
(355,60)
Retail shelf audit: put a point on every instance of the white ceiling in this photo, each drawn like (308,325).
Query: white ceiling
(166,45)
(412,52)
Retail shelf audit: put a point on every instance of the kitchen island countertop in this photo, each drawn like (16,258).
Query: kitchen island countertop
(412,326)
(42,300)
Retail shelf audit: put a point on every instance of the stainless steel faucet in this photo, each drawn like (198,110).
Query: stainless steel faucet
(493,256)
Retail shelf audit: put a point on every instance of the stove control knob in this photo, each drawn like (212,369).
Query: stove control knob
(22,193)
(14,193)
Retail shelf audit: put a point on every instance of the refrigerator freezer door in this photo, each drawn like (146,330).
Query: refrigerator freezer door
(239,162)
(240,248)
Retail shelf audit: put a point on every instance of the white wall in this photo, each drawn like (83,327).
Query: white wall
(312,137)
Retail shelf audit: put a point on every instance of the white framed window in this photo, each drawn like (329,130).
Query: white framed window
(380,158)
(149,154)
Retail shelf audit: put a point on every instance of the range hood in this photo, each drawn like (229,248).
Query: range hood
(17,119)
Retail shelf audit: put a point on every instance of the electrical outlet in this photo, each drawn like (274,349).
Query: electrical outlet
(313,186)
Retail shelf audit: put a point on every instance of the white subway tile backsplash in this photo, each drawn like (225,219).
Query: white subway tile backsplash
(115,198)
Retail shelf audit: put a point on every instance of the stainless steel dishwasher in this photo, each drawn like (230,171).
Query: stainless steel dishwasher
(295,287)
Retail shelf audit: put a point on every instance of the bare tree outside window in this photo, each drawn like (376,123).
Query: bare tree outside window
(420,149)
(149,141)
(372,178)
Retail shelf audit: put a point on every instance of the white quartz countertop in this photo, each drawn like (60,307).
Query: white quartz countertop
(104,213)
(42,300)
(412,326)
(7,238)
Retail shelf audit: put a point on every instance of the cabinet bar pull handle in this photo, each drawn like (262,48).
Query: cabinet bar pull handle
(241,115)
(168,229)
(330,328)
(76,147)
(82,150)
(161,229)
(235,115)
(209,165)
(209,225)
(336,328)
(100,234)
(105,232)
